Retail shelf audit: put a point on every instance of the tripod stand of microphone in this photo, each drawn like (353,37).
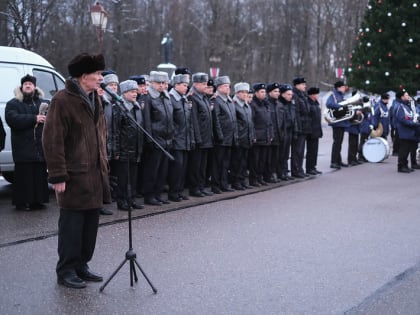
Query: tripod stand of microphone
(130,255)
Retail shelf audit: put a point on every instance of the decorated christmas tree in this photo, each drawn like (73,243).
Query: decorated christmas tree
(387,51)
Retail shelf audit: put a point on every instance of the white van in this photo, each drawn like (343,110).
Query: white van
(14,64)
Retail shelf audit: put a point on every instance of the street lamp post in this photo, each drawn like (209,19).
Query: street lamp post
(99,19)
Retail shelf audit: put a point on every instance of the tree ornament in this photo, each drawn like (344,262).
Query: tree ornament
(410,40)
(367,82)
(359,67)
(403,24)
(379,1)
(414,5)
(369,7)
(367,29)
(368,44)
(387,73)
(417,66)
(368,62)
(380,30)
(389,14)
(389,54)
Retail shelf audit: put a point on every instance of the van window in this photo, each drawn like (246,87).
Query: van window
(8,85)
(48,82)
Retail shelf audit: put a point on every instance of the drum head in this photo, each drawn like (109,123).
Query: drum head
(376,150)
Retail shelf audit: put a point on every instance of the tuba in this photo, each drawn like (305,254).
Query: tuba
(348,110)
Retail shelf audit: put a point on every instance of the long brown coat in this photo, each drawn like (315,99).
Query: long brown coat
(74,142)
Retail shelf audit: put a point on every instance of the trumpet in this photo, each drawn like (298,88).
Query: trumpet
(348,110)
(413,109)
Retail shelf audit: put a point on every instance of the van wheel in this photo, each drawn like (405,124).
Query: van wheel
(9,176)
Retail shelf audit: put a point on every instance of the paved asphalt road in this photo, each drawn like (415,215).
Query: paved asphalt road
(344,242)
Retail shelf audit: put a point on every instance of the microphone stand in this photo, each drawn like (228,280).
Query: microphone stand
(130,255)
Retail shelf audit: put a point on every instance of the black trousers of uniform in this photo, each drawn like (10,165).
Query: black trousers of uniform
(404,150)
(220,166)
(395,141)
(353,147)
(284,157)
(363,138)
(312,145)
(154,172)
(77,230)
(297,154)
(197,169)
(272,162)
(126,172)
(338,136)
(176,171)
(258,159)
(30,185)
(238,165)
(413,153)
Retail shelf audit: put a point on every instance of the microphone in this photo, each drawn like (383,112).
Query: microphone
(43,109)
(114,96)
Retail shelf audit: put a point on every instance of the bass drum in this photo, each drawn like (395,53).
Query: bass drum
(376,150)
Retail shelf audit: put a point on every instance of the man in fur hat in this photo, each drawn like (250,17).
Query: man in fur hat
(30,187)
(74,142)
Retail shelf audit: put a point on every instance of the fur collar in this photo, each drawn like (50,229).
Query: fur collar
(19,95)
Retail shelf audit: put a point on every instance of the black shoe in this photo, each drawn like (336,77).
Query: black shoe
(343,164)
(174,198)
(152,202)
(227,189)
(104,211)
(353,163)
(137,206)
(284,178)
(318,172)
(415,166)
(245,186)
(238,187)
(206,193)
(216,190)
(23,207)
(196,193)
(183,197)
(335,165)
(404,170)
(122,206)
(312,172)
(37,206)
(87,275)
(298,175)
(263,182)
(71,281)
(164,201)
(255,184)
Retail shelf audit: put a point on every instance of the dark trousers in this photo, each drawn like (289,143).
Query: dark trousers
(30,183)
(126,173)
(285,153)
(312,145)
(197,169)
(239,162)
(353,147)
(395,141)
(272,162)
(413,153)
(363,138)
(258,158)
(220,166)
(177,170)
(338,136)
(404,150)
(155,172)
(297,154)
(77,232)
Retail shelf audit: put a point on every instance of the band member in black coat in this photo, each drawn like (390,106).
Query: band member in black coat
(304,120)
(183,140)
(225,131)
(263,126)
(290,125)
(312,140)
(158,122)
(203,135)
(246,136)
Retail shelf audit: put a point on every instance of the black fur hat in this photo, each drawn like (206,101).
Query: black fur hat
(85,63)
(28,78)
